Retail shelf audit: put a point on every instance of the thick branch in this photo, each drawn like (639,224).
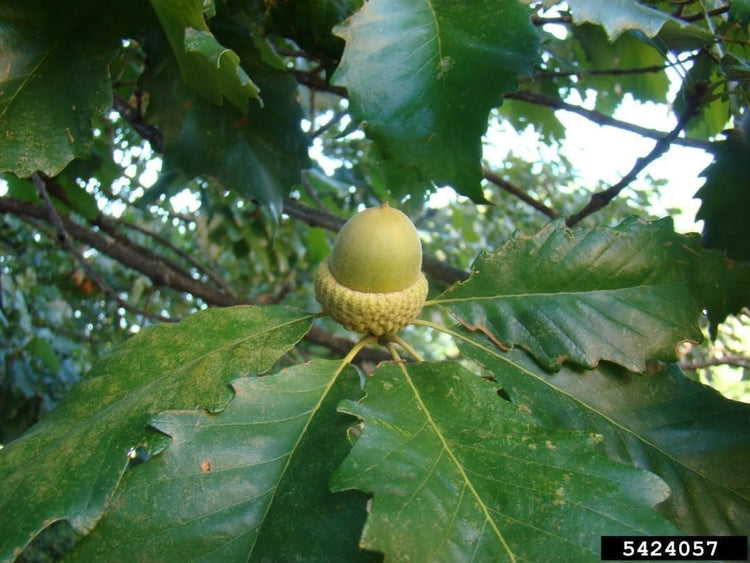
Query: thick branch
(600,199)
(64,238)
(132,257)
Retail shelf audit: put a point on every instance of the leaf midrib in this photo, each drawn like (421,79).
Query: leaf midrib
(500,297)
(446,448)
(615,424)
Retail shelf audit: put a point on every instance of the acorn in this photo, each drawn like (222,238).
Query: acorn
(372,282)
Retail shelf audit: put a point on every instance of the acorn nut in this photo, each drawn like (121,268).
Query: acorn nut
(372,282)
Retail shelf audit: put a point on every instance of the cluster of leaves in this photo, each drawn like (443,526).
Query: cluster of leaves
(222,436)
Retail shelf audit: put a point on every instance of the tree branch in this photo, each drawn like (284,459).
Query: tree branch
(602,119)
(600,200)
(64,238)
(737,361)
(520,194)
(318,83)
(132,257)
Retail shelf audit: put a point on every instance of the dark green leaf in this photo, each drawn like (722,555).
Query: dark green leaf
(309,24)
(54,80)
(695,439)
(207,67)
(249,483)
(459,474)
(739,10)
(258,155)
(721,285)
(583,295)
(423,76)
(714,111)
(44,351)
(725,196)
(69,464)
(80,200)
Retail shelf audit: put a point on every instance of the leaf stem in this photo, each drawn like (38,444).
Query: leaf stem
(364,341)
(393,351)
(395,338)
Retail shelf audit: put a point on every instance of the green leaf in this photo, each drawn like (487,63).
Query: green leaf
(619,16)
(44,351)
(721,285)
(207,67)
(258,155)
(460,474)
(309,25)
(739,11)
(685,432)
(583,295)
(715,111)
(725,198)
(626,53)
(248,483)
(54,80)
(423,75)
(69,464)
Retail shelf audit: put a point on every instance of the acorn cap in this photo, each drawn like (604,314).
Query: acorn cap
(369,313)
(372,282)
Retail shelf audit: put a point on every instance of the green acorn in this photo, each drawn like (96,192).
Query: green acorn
(372,282)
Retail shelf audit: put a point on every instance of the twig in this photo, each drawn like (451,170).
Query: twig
(738,361)
(541,20)
(318,83)
(342,346)
(520,194)
(600,199)
(309,190)
(603,72)
(702,15)
(135,118)
(601,118)
(338,116)
(64,238)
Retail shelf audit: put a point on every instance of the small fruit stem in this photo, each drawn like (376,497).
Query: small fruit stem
(395,338)
(364,341)
(393,351)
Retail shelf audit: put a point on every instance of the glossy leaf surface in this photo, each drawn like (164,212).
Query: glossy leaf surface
(620,16)
(249,483)
(457,473)
(695,439)
(69,464)
(53,82)
(423,75)
(583,295)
